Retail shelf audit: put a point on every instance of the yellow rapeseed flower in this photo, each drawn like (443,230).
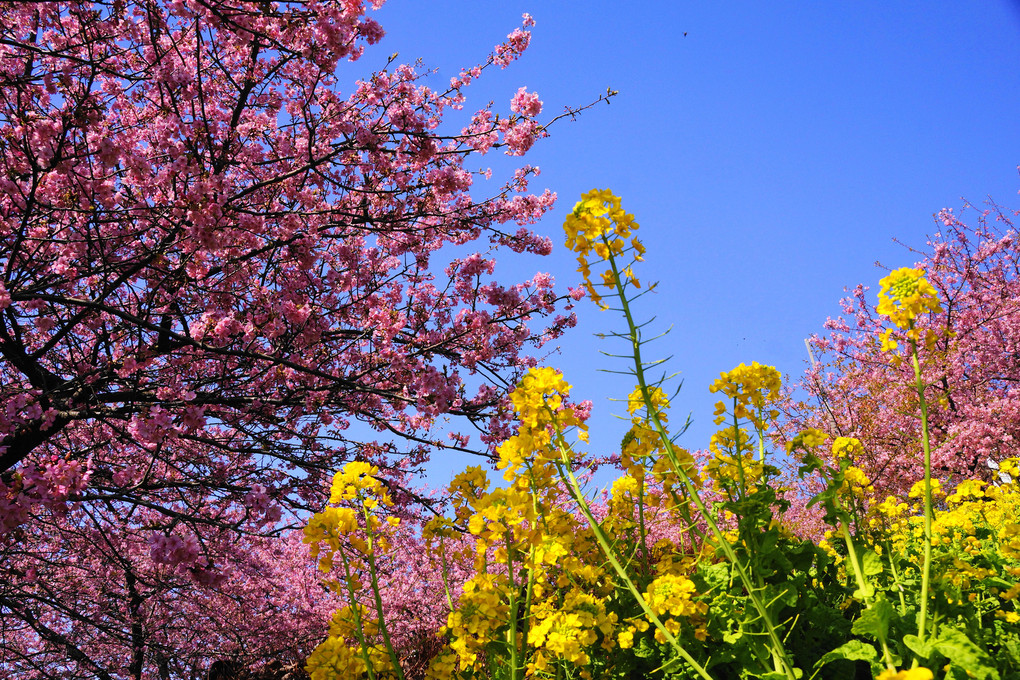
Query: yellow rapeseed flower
(919,673)
(808,439)
(917,490)
(750,388)
(598,224)
(847,447)
(905,295)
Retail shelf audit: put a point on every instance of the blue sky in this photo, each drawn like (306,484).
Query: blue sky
(771,154)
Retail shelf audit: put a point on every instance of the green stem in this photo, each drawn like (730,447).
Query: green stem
(896,579)
(925,444)
(358,621)
(377,596)
(641,527)
(738,456)
(865,588)
(512,632)
(760,431)
(446,571)
(750,542)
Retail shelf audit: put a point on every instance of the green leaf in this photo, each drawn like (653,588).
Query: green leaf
(775,675)
(768,541)
(1011,647)
(874,621)
(731,637)
(964,654)
(865,592)
(643,649)
(855,650)
(871,563)
(716,575)
(802,555)
(919,647)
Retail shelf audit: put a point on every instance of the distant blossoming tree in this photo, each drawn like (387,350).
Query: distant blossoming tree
(215,258)
(969,353)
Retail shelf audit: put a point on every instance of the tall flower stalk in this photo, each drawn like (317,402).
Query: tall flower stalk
(905,295)
(599,225)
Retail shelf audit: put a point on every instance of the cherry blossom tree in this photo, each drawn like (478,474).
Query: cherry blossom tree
(224,261)
(972,370)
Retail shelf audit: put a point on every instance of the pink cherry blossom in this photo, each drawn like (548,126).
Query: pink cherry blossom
(526,103)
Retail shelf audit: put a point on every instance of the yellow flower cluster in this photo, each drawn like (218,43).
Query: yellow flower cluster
(356,484)
(976,539)
(658,399)
(733,465)
(598,224)
(522,525)
(750,388)
(919,673)
(672,596)
(625,638)
(563,628)
(337,658)
(570,630)
(856,483)
(351,528)
(892,513)
(643,444)
(538,404)
(1010,468)
(905,295)
(807,440)
(466,489)
(358,481)
(341,655)
(538,396)
(541,584)
(917,489)
(847,447)
(483,611)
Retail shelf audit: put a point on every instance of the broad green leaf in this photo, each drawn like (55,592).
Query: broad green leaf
(921,648)
(855,650)
(768,541)
(874,621)
(964,654)
(798,673)
(716,575)
(644,649)
(871,563)
(864,593)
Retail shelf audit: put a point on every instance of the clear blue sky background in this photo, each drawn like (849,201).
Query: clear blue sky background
(771,155)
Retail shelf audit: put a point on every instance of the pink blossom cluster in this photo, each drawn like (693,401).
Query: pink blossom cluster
(526,103)
(173,550)
(50,485)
